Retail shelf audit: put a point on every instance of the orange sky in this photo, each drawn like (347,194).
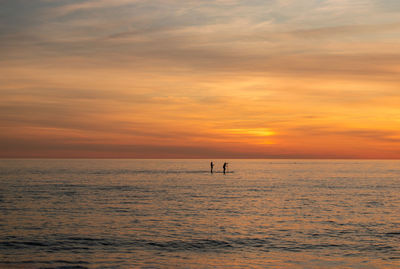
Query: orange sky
(200,79)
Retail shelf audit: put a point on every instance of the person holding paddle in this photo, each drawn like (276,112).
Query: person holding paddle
(225,166)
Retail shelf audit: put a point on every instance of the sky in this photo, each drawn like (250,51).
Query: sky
(200,79)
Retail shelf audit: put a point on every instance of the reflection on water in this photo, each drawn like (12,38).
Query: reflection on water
(174,213)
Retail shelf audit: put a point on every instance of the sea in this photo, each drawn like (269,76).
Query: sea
(81,213)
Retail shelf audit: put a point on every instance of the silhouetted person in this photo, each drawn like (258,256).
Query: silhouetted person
(212,166)
(224,167)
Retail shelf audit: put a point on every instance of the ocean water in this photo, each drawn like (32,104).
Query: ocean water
(175,214)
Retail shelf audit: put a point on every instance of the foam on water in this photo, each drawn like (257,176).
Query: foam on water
(174,213)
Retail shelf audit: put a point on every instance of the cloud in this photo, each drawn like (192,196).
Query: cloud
(331,32)
(65,9)
(390,6)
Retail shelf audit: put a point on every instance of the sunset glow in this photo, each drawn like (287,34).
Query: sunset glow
(200,79)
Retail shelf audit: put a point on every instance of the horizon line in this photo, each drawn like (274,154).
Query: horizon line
(123,158)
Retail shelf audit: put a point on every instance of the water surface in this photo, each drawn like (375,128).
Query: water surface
(175,214)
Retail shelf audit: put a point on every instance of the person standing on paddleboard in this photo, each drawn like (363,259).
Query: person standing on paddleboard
(224,167)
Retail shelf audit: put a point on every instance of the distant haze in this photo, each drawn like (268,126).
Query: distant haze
(200,79)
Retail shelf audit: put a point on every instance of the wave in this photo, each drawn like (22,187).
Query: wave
(102,172)
(83,244)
